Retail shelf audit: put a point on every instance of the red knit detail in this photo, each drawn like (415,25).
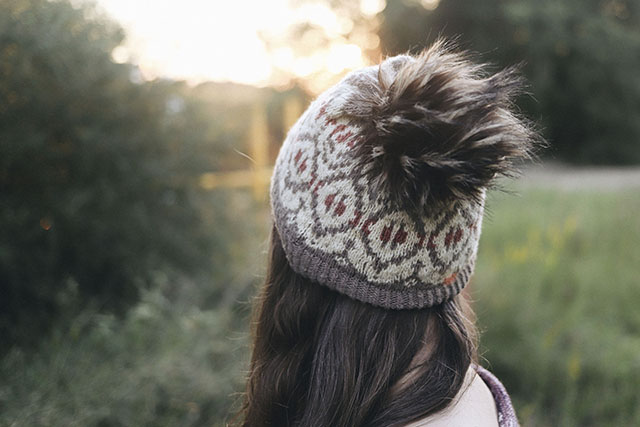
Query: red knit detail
(302,166)
(447,238)
(313,179)
(386,233)
(322,111)
(449,280)
(453,236)
(458,235)
(369,222)
(430,244)
(317,187)
(297,157)
(340,208)
(337,129)
(329,200)
(400,236)
(343,137)
(354,140)
(421,237)
(356,218)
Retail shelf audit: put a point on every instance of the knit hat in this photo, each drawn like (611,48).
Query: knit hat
(378,190)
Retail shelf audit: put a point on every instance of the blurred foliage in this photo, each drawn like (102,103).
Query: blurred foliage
(581,58)
(98,172)
(555,291)
(160,365)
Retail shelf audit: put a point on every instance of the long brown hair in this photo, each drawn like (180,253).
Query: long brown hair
(323,359)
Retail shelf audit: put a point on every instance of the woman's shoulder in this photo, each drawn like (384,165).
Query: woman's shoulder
(481,402)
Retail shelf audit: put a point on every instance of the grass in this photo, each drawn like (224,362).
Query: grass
(556,292)
(159,366)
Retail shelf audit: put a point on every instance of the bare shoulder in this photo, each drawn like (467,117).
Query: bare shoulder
(473,407)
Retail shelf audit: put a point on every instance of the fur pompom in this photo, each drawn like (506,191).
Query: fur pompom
(437,127)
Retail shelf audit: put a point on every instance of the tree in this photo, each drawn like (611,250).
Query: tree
(98,171)
(581,59)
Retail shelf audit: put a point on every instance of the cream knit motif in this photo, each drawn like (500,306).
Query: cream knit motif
(337,232)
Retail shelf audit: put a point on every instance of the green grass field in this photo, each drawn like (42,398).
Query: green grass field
(556,292)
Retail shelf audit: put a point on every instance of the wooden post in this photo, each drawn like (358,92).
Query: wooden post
(291,111)
(259,149)
(257,177)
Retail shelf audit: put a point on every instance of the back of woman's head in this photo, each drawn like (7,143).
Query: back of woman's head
(323,359)
(377,198)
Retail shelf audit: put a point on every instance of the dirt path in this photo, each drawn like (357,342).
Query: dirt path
(575,178)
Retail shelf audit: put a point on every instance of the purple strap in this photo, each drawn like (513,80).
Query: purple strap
(506,413)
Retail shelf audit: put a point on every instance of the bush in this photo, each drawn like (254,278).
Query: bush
(98,172)
(158,366)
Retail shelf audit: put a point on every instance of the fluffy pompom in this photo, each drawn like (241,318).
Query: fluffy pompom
(437,127)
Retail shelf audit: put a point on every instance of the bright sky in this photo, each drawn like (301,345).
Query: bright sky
(218,39)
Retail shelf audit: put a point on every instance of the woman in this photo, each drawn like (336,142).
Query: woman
(377,198)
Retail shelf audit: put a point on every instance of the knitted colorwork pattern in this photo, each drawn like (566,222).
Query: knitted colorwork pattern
(338,231)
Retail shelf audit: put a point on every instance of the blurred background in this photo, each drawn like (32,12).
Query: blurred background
(136,144)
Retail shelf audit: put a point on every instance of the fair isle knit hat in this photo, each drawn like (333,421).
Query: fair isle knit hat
(378,190)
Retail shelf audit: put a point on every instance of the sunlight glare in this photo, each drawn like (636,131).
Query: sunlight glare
(200,40)
(372,7)
(430,4)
